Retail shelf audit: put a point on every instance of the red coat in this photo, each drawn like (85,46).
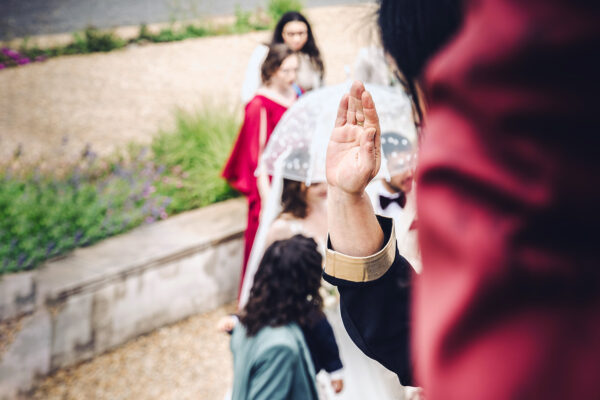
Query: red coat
(508,304)
(243,161)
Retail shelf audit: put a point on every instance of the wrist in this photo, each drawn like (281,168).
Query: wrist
(338,195)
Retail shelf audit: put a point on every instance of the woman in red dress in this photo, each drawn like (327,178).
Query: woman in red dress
(262,113)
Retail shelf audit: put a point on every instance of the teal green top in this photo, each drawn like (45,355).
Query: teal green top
(274,364)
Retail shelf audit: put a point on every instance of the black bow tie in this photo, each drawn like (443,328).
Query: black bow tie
(386,201)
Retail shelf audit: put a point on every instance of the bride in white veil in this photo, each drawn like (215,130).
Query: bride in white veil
(296,151)
(364,378)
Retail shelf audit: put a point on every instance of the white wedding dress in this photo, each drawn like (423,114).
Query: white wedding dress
(364,378)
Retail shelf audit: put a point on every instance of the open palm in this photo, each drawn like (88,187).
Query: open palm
(353,153)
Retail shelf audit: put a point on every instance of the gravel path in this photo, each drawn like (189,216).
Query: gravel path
(188,360)
(108,100)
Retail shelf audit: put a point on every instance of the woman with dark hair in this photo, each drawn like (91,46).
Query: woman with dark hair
(261,116)
(303,211)
(293,30)
(294,208)
(271,359)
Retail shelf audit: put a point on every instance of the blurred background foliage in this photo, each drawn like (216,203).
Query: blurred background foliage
(46,213)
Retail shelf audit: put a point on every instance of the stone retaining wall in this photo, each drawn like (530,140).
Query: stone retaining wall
(99,297)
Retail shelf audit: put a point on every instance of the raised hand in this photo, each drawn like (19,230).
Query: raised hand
(353,153)
(353,159)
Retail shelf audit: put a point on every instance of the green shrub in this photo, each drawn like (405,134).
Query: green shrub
(242,20)
(94,40)
(193,156)
(45,215)
(276,8)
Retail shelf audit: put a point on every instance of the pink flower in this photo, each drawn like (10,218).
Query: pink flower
(2,66)
(23,61)
(40,58)
(11,53)
(163,215)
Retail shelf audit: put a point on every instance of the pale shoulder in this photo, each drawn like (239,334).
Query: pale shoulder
(280,229)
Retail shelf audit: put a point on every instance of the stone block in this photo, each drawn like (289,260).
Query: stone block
(27,357)
(73,340)
(17,295)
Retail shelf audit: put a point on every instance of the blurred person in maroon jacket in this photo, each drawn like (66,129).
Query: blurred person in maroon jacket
(508,304)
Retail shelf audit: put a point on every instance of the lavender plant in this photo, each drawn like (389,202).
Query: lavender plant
(44,215)
(47,213)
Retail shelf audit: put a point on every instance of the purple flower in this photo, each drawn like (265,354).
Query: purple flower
(11,53)
(23,61)
(21,259)
(2,66)
(49,248)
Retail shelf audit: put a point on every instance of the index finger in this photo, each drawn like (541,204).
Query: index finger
(356,91)
(354,103)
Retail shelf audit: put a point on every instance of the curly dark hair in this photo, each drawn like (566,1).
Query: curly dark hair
(310,47)
(286,286)
(277,53)
(293,198)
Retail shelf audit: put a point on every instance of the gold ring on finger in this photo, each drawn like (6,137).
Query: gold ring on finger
(360,123)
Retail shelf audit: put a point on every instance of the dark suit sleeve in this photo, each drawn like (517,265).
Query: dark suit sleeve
(375,308)
(327,346)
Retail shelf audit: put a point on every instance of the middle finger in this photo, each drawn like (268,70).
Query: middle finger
(355,111)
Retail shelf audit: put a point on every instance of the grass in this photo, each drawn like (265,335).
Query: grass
(194,155)
(47,214)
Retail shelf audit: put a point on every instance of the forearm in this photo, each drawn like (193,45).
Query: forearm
(353,227)
(263,185)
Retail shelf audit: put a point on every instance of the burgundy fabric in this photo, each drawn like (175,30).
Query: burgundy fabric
(508,304)
(242,163)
